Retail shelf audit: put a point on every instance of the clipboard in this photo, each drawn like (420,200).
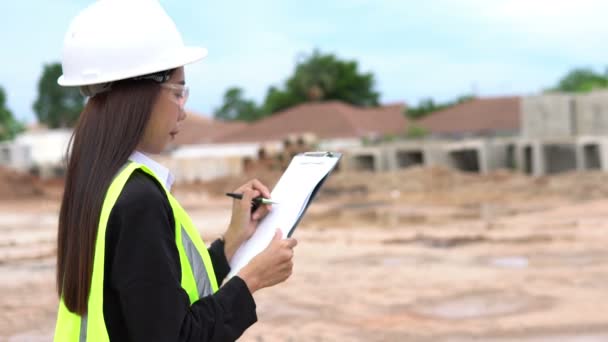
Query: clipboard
(294,192)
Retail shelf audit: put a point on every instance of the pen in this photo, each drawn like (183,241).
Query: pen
(258,200)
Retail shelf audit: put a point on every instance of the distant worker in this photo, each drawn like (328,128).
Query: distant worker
(131,266)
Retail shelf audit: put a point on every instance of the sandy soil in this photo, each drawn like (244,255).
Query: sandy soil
(416,255)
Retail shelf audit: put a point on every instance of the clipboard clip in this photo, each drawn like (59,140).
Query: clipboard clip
(319,154)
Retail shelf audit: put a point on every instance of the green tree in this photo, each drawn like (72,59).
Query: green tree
(317,77)
(581,80)
(323,77)
(427,106)
(9,127)
(416,132)
(57,106)
(235,107)
(277,100)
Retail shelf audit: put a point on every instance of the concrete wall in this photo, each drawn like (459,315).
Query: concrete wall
(482,155)
(201,169)
(539,157)
(551,127)
(474,155)
(46,147)
(408,158)
(365,159)
(548,116)
(5,153)
(501,154)
(563,132)
(590,157)
(427,153)
(404,154)
(42,152)
(15,156)
(559,157)
(435,154)
(525,160)
(219,150)
(592,113)
(592,153)
(468,156)
(532,156)
(205,162)
(339,144)
(562,115)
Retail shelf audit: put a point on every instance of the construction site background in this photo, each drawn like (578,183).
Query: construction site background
(270,158)
(418,254)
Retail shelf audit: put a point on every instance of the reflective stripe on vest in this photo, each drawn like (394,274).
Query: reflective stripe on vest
(197,275)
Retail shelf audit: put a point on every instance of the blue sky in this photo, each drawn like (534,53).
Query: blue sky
(416,49)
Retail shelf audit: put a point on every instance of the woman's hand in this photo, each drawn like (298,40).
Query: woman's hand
(272,266)
(243,222)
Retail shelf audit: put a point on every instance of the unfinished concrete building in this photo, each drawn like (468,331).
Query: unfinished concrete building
(592,153)
(548,142)
(405,154)
(548,116)
(476,135)
(591,111)
(547,156)
(366,159)
(479,155)
(563,132)
(472,155)
(558,133)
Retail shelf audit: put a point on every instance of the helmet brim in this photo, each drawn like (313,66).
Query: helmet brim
(184,56)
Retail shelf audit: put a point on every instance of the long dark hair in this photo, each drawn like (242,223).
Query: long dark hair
(108,131)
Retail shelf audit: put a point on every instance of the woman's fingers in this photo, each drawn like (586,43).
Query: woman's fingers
(261,212)
(250,190)
(263,189)
(248,196)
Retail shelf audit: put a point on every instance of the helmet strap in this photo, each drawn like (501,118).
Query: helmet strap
(158,77)
(94,89)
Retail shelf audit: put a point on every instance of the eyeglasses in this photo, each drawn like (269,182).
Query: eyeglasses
(180,92)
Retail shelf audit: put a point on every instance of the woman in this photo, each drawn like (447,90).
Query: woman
(130,264)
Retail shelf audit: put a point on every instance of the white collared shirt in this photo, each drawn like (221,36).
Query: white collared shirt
(161,171)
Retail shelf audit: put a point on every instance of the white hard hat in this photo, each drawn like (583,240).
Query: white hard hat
(119,39)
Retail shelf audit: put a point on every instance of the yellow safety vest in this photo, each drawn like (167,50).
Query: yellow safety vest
(198,277)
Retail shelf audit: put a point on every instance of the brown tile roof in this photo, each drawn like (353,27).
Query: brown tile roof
(198,129)
(331,119)
(478,116)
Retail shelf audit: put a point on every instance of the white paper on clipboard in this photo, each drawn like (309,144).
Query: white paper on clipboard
(293,192)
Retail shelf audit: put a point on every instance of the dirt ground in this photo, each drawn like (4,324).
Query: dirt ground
(415,255)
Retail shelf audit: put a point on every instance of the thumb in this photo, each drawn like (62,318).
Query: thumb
(278,235)
(276,239)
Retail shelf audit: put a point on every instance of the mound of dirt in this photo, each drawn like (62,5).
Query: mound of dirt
(15,185)
(435,185)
